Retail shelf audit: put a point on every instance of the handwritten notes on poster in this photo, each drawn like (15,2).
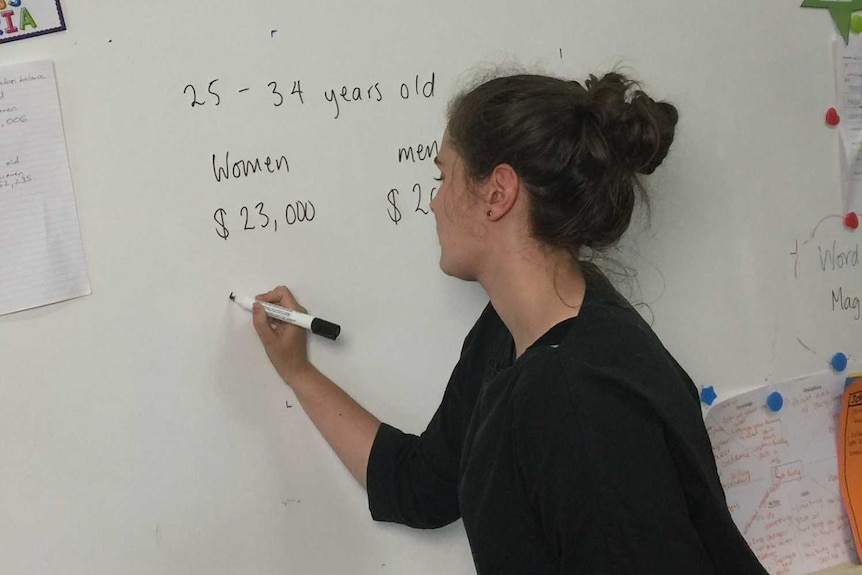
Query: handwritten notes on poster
(41,253)
(779,470)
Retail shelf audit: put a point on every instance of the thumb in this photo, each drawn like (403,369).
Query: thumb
(261,324)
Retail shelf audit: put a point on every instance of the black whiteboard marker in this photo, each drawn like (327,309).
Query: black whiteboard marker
(315,324)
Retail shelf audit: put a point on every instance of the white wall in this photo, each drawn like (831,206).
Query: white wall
(143,430)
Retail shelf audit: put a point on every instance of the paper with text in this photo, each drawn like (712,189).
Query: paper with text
(41,253)
(848,87)
(780,473)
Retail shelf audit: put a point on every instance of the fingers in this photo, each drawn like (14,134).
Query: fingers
(267,330)
(283,297)
(272,296)
(280,295)
(261,324)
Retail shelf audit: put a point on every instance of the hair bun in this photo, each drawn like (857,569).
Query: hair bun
(577,148)
(627,126)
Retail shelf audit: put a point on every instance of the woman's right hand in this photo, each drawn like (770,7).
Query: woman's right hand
(285,344)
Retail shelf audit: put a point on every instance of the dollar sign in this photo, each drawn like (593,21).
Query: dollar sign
(218,216)
(394,213)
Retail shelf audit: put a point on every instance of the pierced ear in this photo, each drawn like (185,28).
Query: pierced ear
(504,186)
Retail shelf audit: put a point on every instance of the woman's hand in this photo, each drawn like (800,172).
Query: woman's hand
(285,344)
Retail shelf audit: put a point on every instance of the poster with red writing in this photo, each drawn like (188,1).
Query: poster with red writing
(778,464)
(27,18)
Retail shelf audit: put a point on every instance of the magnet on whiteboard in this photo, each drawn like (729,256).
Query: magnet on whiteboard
(832,117)
(839,362)
(851,220)
(708,395)
(774,401)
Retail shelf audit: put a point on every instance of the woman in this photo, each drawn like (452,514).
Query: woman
(568,438)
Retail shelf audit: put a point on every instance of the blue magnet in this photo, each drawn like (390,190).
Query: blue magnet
(708,395)
(774,401)
(839,362)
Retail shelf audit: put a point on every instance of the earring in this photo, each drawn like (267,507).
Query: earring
(489,213)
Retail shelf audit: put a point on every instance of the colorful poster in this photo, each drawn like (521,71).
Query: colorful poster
(27,18)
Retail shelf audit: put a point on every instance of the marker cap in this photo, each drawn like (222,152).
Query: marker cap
(324,328)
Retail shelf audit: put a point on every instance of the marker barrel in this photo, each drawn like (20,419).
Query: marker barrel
(317,326)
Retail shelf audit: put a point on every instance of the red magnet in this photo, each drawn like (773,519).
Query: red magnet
(851,220)
(832,117)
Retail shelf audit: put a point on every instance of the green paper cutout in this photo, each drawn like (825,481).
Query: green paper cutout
(856,24)
(841,12)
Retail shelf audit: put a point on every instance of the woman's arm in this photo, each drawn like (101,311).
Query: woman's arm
(347,427)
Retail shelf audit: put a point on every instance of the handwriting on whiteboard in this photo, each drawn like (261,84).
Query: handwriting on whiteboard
(408,198)
(219,92)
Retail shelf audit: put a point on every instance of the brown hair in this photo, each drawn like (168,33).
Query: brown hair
(578,149)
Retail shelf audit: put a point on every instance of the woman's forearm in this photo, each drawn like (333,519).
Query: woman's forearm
(347,426)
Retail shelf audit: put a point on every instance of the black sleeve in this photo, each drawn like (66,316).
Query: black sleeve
(405,483)
(412,479)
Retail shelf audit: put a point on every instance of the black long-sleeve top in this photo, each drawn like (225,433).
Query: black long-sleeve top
(586,455)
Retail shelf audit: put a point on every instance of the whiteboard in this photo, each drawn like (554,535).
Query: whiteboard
(143,429)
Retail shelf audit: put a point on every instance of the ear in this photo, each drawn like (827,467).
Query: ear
(503,188)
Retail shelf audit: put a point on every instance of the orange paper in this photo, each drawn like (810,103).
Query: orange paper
(850,455)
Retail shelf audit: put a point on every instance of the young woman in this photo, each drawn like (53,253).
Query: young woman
(568,438)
